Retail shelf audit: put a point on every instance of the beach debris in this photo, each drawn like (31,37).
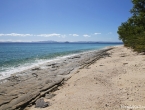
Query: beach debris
(41,104)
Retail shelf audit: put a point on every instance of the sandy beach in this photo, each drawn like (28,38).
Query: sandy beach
(114,82)
(108,79)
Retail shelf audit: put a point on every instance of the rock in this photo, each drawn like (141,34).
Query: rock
(41,104)
(14,78)
(35,69)
(125,63)
(77,57)
(34,74)
(65,71)
(106,105)
(52,64)
(24,88)
(49,96)
(53,69)
(48,81)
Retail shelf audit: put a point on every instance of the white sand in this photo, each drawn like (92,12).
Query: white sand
(112,83)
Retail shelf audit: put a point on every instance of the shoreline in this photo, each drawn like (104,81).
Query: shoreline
(25,67)
(25,87)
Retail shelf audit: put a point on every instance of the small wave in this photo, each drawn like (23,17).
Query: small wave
(37,63)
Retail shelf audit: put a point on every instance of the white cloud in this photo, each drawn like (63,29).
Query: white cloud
(52,35)
(86,35)
(49,35)
(16,35)
(75,35)
(10,40)
(40,35)
(97,33)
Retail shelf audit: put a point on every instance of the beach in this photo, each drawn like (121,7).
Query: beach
(108,79)
(115,82)
(24,88)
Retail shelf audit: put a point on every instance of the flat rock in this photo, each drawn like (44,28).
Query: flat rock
(49,96)
(41,104)
(29,86)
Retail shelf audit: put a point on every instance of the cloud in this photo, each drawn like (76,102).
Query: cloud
(97,33)
(10,40)
(49,35)
(40,35)
(86,35)
(52,35)
(16,35)
(75,35)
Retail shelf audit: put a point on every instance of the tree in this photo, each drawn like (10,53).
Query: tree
(132,32)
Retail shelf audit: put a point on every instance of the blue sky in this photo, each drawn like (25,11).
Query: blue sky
(62,20)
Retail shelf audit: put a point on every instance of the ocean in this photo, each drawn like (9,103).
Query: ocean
(16,57)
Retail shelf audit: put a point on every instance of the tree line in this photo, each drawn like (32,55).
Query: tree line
(132,32)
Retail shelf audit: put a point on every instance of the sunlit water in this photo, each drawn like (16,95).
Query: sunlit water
(15,57)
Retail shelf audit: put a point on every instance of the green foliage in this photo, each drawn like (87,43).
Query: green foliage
(132,32)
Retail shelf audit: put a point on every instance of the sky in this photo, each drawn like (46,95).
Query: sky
(62,20)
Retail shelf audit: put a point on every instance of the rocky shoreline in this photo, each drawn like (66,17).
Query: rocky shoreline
(24,88)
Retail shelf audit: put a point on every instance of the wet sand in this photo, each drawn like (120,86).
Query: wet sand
(114,82)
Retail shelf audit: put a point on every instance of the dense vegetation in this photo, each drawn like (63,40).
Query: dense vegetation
(132,32)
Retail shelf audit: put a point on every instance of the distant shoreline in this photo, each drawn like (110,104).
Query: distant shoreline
(83,42)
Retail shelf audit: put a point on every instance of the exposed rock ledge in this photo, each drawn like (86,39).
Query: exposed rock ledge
(24,88)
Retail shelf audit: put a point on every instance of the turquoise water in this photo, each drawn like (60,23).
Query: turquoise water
(14,55)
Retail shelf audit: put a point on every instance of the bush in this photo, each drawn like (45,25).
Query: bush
(132,32)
